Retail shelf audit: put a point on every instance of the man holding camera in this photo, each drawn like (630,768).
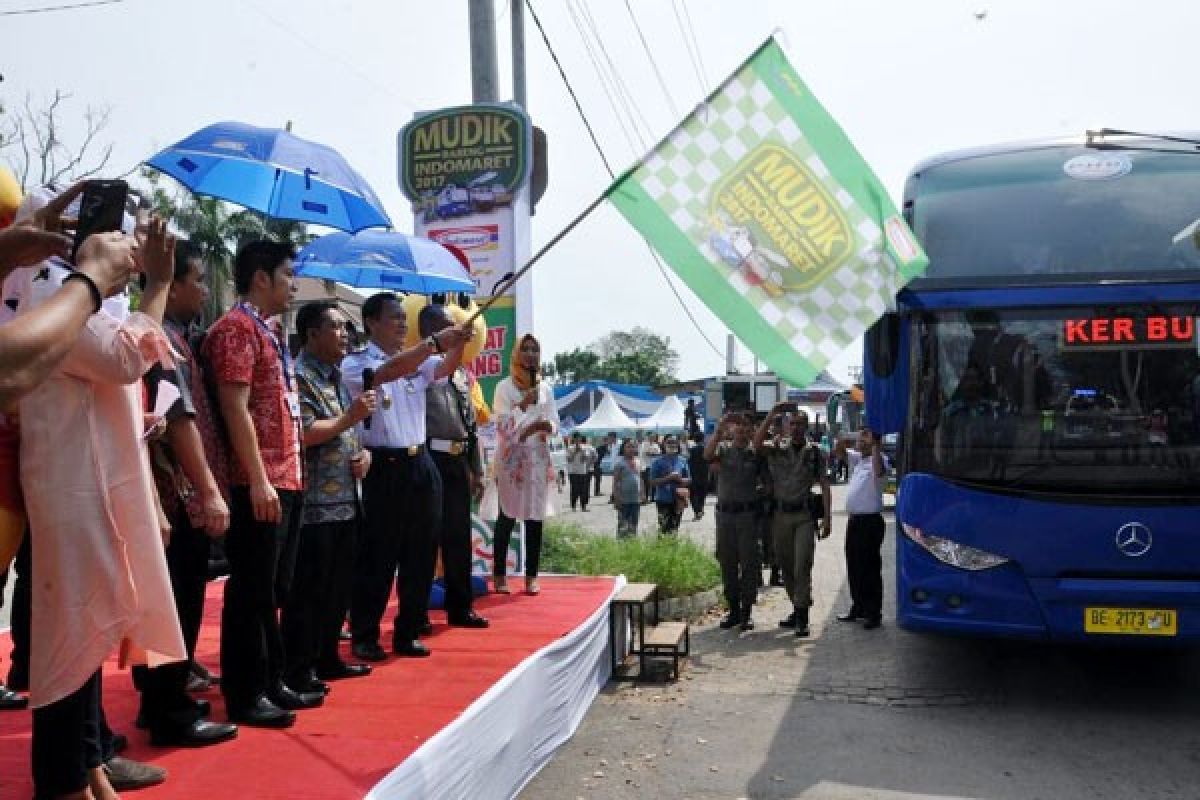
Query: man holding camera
(796,466)
(865,528)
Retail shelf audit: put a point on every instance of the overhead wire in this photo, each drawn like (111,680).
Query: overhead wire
(687,15)
(64,7)
(687,43)
(662,83)
(635,114)
(604,79)
(612,175)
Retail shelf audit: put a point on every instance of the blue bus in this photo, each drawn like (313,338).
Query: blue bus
(1044,378)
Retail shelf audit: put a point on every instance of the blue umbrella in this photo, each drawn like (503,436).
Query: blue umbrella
(384,260)
(272,171)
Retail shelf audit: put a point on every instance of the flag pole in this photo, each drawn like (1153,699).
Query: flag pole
(508,284)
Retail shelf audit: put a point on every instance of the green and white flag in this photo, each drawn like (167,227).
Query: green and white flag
(764,208)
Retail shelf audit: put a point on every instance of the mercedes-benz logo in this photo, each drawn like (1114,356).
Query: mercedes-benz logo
(1134,539)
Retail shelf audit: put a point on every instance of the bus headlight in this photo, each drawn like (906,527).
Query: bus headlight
(953,553)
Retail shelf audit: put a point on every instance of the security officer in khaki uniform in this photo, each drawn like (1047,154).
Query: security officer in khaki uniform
(796,465)
(450,426)
(737,498)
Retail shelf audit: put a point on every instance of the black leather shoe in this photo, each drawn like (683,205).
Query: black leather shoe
(200,733)
(872,623)
(850,616)
(732,620)
(291,700)
(789,621)
(118,743)
(203,707)
(262,713)
(369,651)
(308,684)
(801,623)
(747,623)
(10,700)
(344,670)
(412,649)
(468,620)
(426,628)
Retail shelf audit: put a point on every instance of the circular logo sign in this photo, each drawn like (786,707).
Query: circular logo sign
(1098,166)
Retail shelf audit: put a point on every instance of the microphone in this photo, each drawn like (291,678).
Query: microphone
(368,384)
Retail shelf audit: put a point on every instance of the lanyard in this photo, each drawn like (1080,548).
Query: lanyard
(285,360)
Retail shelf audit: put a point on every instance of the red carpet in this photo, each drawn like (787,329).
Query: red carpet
(367,725)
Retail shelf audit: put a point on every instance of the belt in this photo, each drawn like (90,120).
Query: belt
(864,513)
(735,508)
(785,506)
(412,451)
(454,447)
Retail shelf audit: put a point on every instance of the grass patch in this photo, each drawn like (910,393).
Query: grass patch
(677,565)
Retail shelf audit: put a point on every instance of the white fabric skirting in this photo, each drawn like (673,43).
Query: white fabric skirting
(510,732)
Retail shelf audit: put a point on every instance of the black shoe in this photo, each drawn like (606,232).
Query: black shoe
(18,679)
(426,628)
(872,623)
(262,713)
(468,620)
(747,623)
(732,620)
(801,625)
(290,700)
(789,621)
(307,683)
(10,700)
(203,707)
(410,649)
(850,616)
(118,742)
(343,670)
(200,733)
(776,578)
(368,651)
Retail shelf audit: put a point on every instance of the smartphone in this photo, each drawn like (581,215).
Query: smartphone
(101,209)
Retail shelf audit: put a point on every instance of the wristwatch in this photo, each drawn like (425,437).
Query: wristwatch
(434,345)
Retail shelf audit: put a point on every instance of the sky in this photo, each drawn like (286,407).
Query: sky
(906,80)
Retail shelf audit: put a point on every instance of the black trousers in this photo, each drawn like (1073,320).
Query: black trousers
(262,558)
(579,489)
(312,617)
(533,545)
(402,498)
(67,741)
(864,565)
(454,532)
(699,491)
(598,474)
(165,700)
(22,600)
(737,552)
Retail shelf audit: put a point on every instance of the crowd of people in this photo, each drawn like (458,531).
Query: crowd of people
(328,474)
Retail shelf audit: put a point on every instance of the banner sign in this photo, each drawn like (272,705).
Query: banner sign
(764,208)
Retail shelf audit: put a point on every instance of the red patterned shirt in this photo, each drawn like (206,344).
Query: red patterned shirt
(241,350)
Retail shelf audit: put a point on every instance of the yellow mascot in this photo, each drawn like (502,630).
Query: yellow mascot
(12,508)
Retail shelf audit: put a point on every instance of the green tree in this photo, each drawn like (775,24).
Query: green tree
(575,366)
(638,356)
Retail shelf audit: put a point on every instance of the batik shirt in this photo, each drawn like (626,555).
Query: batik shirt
(332,494)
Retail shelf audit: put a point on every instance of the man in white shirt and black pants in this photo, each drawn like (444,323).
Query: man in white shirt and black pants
(864,528)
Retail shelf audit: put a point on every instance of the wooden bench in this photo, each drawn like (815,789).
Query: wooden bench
(657,639)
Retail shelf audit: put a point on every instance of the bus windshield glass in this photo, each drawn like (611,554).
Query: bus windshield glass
(1057,214)
(1102,401)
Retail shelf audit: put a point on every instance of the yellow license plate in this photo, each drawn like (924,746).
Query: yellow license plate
(1137,621)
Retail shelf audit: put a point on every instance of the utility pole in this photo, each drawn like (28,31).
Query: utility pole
(483,51)
(518,52)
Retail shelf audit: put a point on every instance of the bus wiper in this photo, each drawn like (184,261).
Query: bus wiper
(1095,140)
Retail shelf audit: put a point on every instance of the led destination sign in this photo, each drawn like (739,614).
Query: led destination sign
(1125,333)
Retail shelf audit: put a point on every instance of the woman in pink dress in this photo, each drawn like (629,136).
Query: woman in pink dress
(526,417)
(101,582)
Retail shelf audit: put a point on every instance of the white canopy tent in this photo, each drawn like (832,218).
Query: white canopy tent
(667,418)
(608,417)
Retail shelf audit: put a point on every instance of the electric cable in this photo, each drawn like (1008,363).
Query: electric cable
(612,175)
(687,43)
(604,80)
(662,83)
(66,7)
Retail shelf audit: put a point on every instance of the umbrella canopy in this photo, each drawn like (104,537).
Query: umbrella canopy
(384,260)
(271,171)
(668,418)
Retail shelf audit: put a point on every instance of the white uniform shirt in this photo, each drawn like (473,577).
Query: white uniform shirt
(864,491)
(399,420)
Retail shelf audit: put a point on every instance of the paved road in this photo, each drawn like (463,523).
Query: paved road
(885,714)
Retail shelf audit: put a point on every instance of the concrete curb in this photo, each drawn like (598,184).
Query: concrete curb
(691,605)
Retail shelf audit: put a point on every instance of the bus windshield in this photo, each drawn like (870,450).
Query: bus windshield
(1057,214)
(1102,401)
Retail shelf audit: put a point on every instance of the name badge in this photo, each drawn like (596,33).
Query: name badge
(293,401)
